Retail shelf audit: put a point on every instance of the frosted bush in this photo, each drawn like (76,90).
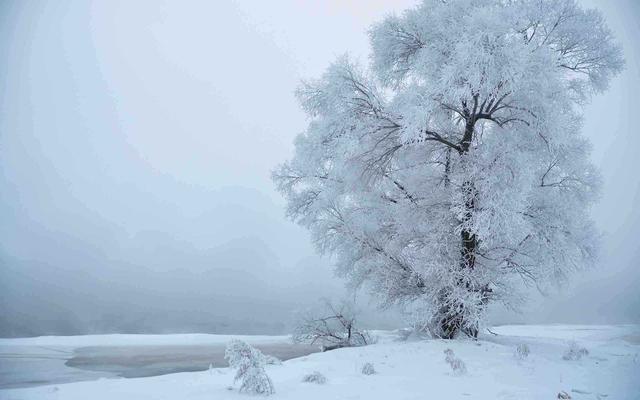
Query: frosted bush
(333,326)
(368,369)
(315,377)
(575,352)
(522,351)
(250,364)
(457,365)
(272,360)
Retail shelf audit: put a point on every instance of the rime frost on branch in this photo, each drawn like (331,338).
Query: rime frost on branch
(453,169)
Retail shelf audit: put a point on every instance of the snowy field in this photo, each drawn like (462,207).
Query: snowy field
(412,369)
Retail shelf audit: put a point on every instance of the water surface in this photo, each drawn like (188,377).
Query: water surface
(26,366)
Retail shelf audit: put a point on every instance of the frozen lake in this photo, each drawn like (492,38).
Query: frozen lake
(51,360)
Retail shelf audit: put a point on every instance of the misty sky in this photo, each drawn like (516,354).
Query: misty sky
(137,140)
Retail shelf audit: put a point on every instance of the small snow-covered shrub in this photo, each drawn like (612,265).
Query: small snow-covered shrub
(564,395)
(404,334)
(272,360)
(250,364)
(333,326)
(368,369)
(575,352)
(457,365)
(315,377)
(522,351)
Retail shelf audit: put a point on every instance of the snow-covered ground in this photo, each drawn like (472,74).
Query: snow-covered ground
(413,369)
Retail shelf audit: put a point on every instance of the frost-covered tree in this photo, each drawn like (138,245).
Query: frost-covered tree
(454,167)
(249,363)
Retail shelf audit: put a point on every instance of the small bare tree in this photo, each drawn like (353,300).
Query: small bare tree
(333,327)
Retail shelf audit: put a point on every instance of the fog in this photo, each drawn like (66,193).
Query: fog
(136,145)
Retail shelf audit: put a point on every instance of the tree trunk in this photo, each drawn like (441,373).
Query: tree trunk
(451,313)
